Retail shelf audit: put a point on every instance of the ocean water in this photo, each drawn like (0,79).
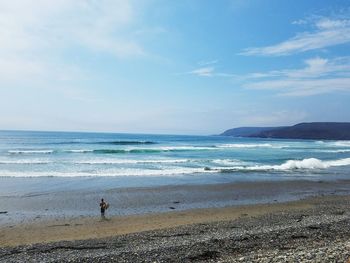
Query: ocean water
(33,161)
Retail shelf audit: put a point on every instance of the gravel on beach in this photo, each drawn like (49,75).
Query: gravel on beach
(318,234)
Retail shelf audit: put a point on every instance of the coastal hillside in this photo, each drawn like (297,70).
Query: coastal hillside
(246,131)
(312,130)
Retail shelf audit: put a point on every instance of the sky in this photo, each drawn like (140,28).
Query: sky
(172,67)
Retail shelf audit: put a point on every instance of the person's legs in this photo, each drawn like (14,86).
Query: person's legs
(102,213)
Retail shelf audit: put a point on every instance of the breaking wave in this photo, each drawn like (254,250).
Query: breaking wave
(116,173)
(290,165)
(309,163)
(152,150)
(24,162)
(227,162)
(342,143)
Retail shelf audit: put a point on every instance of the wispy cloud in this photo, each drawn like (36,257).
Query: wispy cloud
(307,87)
(316,67)
(206,69)
(209,69)
(299,22)
(327,32)
(203,72)
(317,77)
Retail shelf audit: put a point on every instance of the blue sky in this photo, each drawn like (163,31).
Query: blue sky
(178,67)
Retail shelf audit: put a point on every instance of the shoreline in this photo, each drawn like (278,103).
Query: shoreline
(32,207)
(309,229)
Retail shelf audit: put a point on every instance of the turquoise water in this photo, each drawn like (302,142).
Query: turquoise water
(60,160)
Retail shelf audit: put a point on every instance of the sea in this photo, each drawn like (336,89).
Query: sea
(55,161)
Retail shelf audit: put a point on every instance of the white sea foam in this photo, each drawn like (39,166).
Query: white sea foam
(334,151)
(340,162)
(129,161)
(79,151)
(320,142)
(309,163)
(32,161)
(115,173)
(342,143)
(290,165)
(30,151)
(241,145)
(228,162)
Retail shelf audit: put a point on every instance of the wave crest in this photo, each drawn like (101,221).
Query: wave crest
(342,143)
(309,163)
(152,150)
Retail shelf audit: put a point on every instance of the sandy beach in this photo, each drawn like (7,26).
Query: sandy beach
(95,227)
(308,230)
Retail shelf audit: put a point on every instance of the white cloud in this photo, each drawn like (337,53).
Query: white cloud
(315,68)
(207,70)
(203,72)
(319,76)
(28,25)
(37,34)
(327,32)
(303,87)
(299,22)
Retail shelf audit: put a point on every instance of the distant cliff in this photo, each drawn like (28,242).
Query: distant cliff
(312,130)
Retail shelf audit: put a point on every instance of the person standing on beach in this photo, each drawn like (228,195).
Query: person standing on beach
(103,206)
